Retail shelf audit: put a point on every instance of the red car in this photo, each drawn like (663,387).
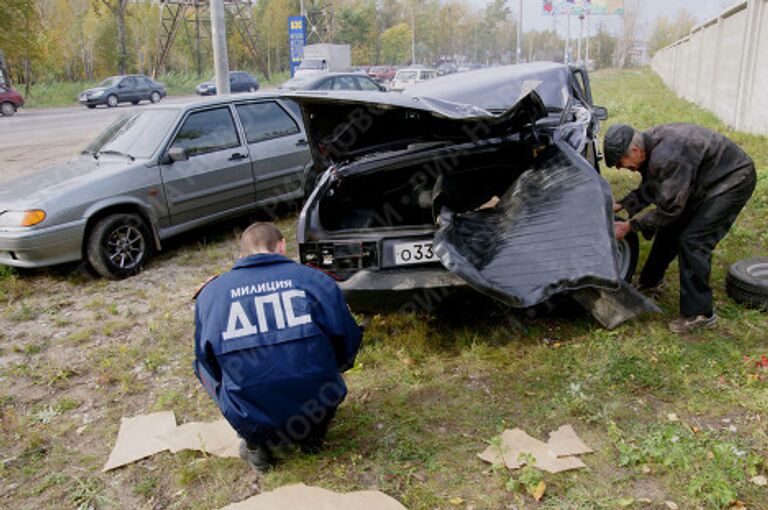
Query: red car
(382,73)
(10,100)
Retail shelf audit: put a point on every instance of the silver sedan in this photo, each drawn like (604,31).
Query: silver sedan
(153,174)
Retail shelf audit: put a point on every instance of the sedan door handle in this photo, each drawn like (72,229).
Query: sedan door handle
(237,156)
(301,143)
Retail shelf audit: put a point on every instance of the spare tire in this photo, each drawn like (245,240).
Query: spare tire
(747,282)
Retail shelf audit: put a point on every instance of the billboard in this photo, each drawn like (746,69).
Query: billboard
(297,38)
(579,7)
(606,7)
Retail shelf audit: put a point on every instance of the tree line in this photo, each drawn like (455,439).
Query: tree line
(73,40)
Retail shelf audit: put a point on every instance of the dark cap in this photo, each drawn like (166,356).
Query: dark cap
(615,142)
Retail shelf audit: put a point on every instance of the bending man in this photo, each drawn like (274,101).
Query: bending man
(699,181)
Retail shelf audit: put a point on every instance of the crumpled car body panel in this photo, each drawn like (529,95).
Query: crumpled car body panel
(550,233)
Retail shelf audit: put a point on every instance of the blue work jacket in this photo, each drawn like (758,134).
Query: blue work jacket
(271,340)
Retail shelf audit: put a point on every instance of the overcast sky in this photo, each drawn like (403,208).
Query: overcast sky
(649,11)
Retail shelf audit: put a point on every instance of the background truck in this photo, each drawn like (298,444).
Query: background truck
(324,58)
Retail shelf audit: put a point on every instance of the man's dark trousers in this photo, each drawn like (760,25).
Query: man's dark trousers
(692,238)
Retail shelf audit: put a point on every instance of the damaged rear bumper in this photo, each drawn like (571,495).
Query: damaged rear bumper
(411,290)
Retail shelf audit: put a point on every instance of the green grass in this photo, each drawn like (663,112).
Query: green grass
(428,392)
(63,93)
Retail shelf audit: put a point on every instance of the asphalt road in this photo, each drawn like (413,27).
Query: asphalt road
(38,137)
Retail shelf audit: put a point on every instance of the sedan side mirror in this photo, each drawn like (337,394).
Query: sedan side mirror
(178,154)
(601,112)
(382,88)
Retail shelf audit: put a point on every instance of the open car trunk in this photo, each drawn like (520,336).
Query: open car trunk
(517,218)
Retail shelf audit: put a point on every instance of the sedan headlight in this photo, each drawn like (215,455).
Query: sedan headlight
(97,94)
(21,218)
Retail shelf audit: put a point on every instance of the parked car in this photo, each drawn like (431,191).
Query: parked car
(382,73)
(132,88)
(491,183)
(333,81)
(447,68)
(155,173)
(239,81)
(10,100)
(409,76)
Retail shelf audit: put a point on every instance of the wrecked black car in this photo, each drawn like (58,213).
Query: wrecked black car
(487,179)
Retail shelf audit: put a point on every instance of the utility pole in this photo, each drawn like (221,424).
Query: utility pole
(581,36)
(220,59)
(567,58)
(519,52)
(587,63)
(413,33)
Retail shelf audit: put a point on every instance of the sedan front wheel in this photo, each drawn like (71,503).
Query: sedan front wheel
(112,101)
(119,245)
(7,109)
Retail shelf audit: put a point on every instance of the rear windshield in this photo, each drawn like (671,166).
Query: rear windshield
(296,83)
(406,75)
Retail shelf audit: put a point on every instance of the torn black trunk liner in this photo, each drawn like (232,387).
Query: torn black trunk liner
(550,233)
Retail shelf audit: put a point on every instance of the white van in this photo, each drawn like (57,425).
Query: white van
(404,78)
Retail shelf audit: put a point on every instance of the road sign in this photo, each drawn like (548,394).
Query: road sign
(583,7)
(297,38)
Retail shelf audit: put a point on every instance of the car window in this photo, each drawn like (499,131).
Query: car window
(263,121)
(127,83)
(366,84)
(207,131)
(344,83)
(326,85)
(146,81)
(406,75)
(293,106)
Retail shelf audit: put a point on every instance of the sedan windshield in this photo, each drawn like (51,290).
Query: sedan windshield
(135,134)
(110,82)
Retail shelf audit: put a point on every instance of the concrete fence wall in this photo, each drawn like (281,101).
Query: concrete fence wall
(722,65)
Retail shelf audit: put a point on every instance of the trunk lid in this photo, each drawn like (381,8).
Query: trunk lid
(345,126)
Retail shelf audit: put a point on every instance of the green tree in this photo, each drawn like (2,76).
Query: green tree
(665,31)
(602,47)
(20,30)
(396,44)
(119,9)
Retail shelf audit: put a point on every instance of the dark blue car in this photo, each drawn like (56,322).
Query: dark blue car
(123,89)
(239,81)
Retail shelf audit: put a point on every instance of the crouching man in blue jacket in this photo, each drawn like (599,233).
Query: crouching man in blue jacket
(271,340)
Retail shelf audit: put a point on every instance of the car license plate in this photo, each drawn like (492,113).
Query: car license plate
(414,253)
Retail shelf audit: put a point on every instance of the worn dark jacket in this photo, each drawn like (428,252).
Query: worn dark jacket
(684,166)
(271,339)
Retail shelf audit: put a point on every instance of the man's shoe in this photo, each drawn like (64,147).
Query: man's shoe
(651,289)
(688,324)
(259,458)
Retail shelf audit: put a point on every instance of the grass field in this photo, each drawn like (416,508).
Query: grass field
(60,93)
(671,419)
